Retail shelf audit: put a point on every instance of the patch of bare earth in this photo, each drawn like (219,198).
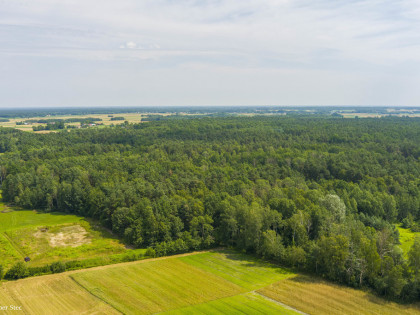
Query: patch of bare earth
(68,236)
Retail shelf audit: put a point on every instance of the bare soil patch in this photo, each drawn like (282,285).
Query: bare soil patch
(68,236)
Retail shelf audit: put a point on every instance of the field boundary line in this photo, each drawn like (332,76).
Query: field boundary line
(94,295)
(279,303)
(15,246)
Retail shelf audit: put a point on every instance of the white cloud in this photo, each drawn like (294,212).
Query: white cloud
(300,39)
(131,45)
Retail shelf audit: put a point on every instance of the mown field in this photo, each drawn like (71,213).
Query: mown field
(49,237)
(314,296)
(217,282)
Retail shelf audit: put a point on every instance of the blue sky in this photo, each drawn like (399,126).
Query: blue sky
(189,52)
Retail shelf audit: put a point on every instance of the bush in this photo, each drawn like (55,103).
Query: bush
(57,267)
(150,252)
(17,271)
(37,271)
(1,272)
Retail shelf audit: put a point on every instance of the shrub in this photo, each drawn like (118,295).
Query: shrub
(57,267)
(150,252)
(17,271)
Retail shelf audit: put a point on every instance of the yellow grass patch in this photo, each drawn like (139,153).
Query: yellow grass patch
(56,294)
(314,296)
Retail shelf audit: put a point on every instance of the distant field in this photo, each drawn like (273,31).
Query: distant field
(219,282)
(318,297)
(130,117)
(406,239)
(49,237)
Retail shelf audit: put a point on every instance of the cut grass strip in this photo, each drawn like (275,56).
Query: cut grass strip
(248,303)
(315,296)
(155,286)
(245,271)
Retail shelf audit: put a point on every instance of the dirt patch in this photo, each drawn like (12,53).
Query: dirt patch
(68,236)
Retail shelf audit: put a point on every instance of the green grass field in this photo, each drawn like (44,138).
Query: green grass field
(248,303)
(245,271)
(49,237)
(406,239)
(155,286)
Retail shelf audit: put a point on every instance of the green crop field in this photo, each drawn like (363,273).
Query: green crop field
(218,282)
(49,237)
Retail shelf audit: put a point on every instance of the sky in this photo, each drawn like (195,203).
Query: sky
(209,52)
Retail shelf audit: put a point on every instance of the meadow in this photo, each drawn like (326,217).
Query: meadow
(406,239)
(49,237)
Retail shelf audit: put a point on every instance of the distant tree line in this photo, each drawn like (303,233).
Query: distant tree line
(319,194)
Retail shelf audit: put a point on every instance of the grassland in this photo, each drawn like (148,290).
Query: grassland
(219,282)
(155,286)
(314,296)
(406,239)
(245,271)
(248,303)
(51,295)
(48,237)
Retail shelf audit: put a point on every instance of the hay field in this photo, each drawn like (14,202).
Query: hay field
(248,303)
(51,295)
(314,296)
(177,285)
(245,271)
(156,286)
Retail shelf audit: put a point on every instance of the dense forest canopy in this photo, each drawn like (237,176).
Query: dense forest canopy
(321,194)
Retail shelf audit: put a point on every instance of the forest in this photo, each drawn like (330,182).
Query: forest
(320,194)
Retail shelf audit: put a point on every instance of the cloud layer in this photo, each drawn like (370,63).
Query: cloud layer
(214,52)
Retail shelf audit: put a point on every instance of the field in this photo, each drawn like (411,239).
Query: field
(217,282)
(106,120)
(406,239)
(314,296)
(49,237)
(245,271)
(248,303)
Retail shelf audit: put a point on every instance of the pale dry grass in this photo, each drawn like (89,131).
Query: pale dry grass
(320,297)
(57,294)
